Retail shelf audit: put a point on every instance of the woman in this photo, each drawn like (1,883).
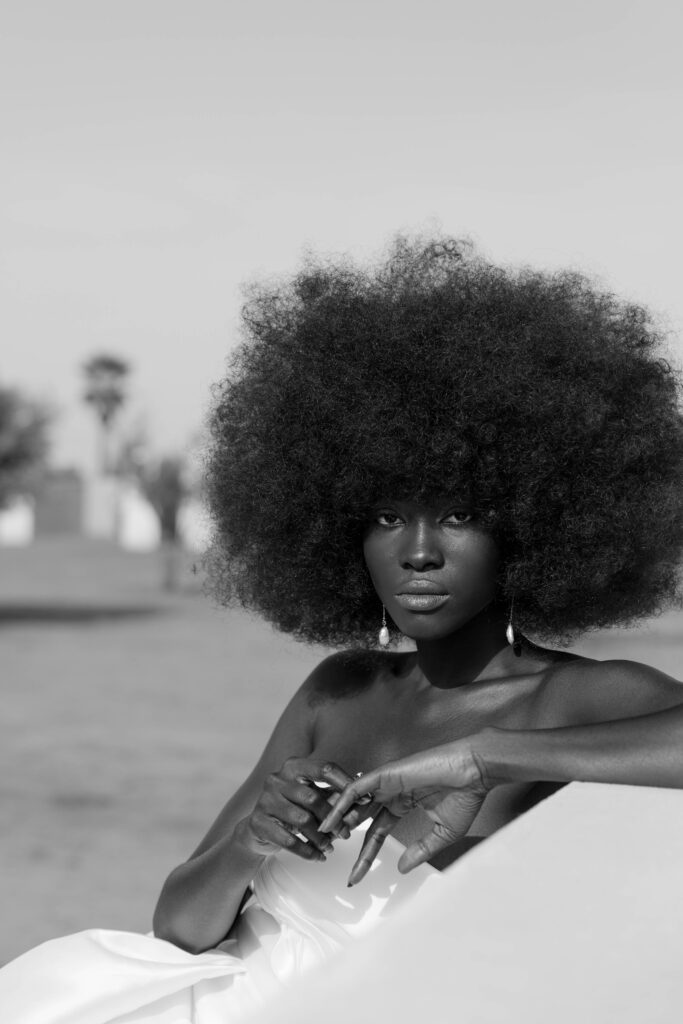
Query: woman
(444,450)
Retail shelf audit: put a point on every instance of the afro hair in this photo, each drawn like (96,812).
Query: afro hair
(433,371)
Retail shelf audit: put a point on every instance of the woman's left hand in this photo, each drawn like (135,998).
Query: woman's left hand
(448,782)
(451,781)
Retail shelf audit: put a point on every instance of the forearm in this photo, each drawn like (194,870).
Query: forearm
(643,751)
(201,898)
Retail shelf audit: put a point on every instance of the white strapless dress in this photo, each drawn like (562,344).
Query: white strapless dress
(301,915)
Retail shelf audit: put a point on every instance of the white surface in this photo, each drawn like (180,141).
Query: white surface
(137,522)
(570,914)
(17,523)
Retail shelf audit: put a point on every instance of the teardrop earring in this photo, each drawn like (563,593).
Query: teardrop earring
(514,641)
(384,632)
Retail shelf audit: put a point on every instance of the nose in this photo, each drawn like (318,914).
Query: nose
(421,550)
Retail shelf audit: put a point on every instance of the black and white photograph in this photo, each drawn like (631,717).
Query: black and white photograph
(341,512)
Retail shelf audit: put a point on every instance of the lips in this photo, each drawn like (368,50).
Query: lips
(421,601)
(421,585)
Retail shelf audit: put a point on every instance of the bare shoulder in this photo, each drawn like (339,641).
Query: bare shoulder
(348,674)
(587,690)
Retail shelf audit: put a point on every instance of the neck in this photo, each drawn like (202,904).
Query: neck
(477,650)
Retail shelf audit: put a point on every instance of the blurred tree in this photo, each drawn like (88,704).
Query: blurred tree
(131,457)
(105,378)
(165,487)
(23,442)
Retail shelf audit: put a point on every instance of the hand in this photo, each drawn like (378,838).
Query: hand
(447,781)
(290,808)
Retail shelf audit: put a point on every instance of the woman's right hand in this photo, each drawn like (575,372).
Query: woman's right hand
(291,807)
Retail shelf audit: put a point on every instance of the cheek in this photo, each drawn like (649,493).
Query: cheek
(374,556)
(480,562)
(488,552)
(381,558)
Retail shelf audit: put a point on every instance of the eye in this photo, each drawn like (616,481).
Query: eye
(388,519)
(458,518)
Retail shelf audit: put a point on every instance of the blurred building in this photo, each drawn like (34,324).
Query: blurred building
(65,503)
(59,503)
(54,508)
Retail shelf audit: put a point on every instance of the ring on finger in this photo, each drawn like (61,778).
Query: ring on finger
(362,801)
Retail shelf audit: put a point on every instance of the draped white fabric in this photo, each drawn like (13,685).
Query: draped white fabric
(302,914)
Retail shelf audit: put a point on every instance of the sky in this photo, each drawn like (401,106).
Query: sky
(158,155)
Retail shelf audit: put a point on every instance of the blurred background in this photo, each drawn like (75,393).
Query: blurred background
(157,156)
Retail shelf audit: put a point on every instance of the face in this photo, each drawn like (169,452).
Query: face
(433,567)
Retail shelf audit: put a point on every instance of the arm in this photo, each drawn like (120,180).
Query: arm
(642,751)
(625,725)
(202,897)
(451,781)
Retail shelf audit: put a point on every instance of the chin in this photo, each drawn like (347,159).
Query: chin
(434,626)
(428,628)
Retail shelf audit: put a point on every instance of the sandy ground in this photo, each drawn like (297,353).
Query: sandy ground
(128,717)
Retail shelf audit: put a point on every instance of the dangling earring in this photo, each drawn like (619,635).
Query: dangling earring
(515,642)
(384,632)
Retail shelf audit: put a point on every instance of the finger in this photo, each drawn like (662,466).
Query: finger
(378,831)
(312,799)
(325,774)
(342,830)
(453,816)
(359,787)
(302,822)
(338,779)
(321,840)
(277,833)
(425,848)
(363,800)
(315,797)
(447,765)
(304,769)
(271,835)
(329,799)
(336,776)
(360,812)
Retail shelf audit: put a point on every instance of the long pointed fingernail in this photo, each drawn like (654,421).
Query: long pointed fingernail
(358,871)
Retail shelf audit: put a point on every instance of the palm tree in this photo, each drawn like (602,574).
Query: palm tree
(106,391)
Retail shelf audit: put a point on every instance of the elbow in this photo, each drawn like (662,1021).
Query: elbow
(179,931)
(170,922)
(165,926)
(175,920)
